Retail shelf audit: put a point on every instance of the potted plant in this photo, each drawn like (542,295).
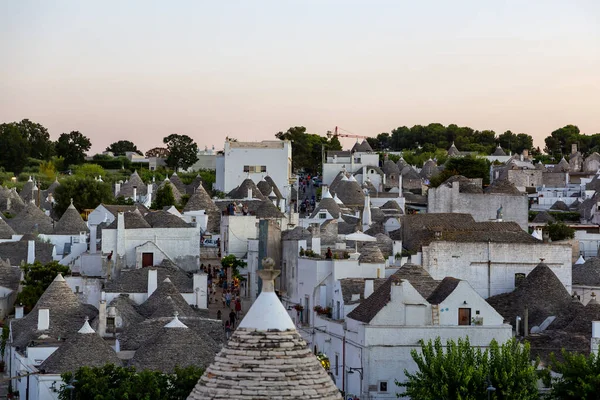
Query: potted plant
(302,251)
(298,308)
(318,309)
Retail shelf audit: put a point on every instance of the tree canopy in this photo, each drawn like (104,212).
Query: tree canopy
(578,376)
(307,148)
(157,152)
(72,147)
(14,148)
(164,197)
(469,167)
(183,151)
(122,146)
(560,231)
(116,383)
(460,371)
(559,142)
(36,279)
(86,192)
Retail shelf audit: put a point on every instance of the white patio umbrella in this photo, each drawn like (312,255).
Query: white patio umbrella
(359,236)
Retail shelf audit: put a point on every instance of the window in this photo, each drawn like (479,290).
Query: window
(383,386)
(246,168)
(322,215)
(464,316)
(519,278)
(255,168)
(263,168)
(338,310)
(76,289)
(306,312)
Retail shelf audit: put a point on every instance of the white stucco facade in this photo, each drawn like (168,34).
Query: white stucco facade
(254,160)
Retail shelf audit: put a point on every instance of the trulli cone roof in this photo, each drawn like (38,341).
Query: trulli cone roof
(266,358)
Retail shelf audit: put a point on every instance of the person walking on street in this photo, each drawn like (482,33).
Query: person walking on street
(238,307)
(227,329)
(232,318)
(219,315)
(228,299)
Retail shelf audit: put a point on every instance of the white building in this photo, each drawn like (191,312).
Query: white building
(370,349)
(241,160)
(352,161)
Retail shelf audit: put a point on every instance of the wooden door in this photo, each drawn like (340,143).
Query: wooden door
(147,259)
(464,316)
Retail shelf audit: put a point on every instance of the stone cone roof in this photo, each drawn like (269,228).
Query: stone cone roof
(31,219)
(371,254)
(264,187)
(453,151)
(134,180)
(562,166)
(338,178)
(582,324)
(499,151)
(6,231)
(401,164)
(266,357)
(541,167)
(174,190)
(133,220)
(390,167)
(84,349)
(274,187)
(350,193)
(16,202)
(164,219)
(200,200)
(167,296)
(328,204)
(543,217)
(66,314)
(241,192)
(268,210)
(364,147)
(70,223)
(176,181)
(543,294)
(391,205)
(503,186)
(175,345)
(430,169)
(560,205)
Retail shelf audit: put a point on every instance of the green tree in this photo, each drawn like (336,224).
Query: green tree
(112,382)
(308,148)
(86,192)
(14,148)
(235,264)
(72,147)
(89,171)
(122,146)
(578,376)
(36,279)
(560,231)
(460,371)
(469,166)
(516,142)
(42,147)
(183,151)
(164,197)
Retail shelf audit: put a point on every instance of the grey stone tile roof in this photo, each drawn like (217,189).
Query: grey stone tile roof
(385,244)
(543,294)
(588,273)
(560,206)
(389,167)
(66,314)
(172,347)
(167,296)
(328,204)
(31,219)
(453,150)
(377,215)
(368,185)
(371,254)
(543,217)
(429,170)
(10,201)
(375,228)
(193,186)
(10,277)
(391,205)
(134,180)
(268,210)
(582,324)
(136,335)
(176,181)
(136,280)
(363,147)
(274,187)
(241,367)
(499,152)
(241,192)
(443,290)
(350,193)
(264,187)
(70,223)
(465,185)
(562,166)
(27,190)
(6,231)
(298,233)
(352,286)
(80,350)
(115,209)
(373,167)
(174,190)
(401,164)
(338,178)
(416,275)
(503,186)
(126,309)
(541,167)
(16,252)
(133,220)
(164,219)
(200,200)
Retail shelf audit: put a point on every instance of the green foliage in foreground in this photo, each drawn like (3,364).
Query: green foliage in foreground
(119,383)
(579,377)
(458,371)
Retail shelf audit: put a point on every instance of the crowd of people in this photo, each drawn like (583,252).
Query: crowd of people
(230,296)
(237,209)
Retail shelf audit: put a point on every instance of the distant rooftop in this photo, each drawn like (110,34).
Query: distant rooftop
(265,144)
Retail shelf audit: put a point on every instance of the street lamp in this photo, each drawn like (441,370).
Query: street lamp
(360,373)
(490,389)
(71,386)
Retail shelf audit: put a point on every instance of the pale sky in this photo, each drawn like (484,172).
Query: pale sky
(141,70)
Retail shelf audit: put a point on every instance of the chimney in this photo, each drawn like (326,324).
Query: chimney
(30,251)
(200,282)
(43,319)
(117,346)
(546,236)
(249,194)
(368,287)
(526,153)
(366,217)
(102,318)
(19,311)
(595,337)
(526,323)
(135,194)
(150,188)
(93,238)
(120,234)
(574,148)
(152,281)
(117,189)
(400,185)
